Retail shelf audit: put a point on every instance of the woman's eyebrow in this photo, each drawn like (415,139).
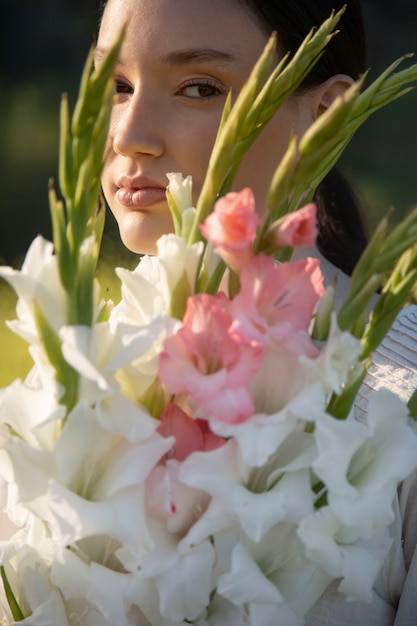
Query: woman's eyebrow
(198,55)
(187,56)
(99,53)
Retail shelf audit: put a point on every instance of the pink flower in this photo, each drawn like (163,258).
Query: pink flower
(190,435)
(277,301)
(170,500)
(167,498)
(211,364)
(232,228)
(297,229)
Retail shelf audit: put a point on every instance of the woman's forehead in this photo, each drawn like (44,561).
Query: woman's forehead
(199,18)
(175,30)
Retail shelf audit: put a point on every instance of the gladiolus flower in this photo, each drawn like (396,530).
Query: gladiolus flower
(277,301)
(209,362)
(297,229)
(167,497)
(190,435)
(231,228)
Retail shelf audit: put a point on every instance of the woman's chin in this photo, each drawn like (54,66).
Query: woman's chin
(140,235)
(138,245)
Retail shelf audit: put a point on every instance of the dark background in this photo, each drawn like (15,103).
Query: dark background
(43,46)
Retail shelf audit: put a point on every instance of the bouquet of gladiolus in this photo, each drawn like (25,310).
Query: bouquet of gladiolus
(188,456)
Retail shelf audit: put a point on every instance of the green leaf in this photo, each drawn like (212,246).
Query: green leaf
(65,152)
(412,406)
(82,144)
(64,373)
(11,598)
(340,405)
(322,320)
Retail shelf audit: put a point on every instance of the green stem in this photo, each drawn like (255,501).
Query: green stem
(11,598)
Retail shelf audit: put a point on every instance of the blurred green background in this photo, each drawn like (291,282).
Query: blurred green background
(43,46)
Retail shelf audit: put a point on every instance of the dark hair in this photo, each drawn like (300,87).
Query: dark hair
(292,20)
(342,235)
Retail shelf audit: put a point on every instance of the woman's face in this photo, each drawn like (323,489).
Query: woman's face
(178,62)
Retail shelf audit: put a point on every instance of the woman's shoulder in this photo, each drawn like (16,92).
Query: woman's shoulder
(394,362)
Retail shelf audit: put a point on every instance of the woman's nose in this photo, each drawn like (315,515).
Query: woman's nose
(136,127)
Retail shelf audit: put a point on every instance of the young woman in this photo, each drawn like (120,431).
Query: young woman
(178,62)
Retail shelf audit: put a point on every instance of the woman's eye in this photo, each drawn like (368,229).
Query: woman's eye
(201,90)
(121,87)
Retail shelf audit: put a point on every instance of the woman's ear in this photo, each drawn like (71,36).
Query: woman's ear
(327,92)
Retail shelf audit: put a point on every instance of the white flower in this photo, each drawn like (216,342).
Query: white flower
(184,588)
(114,502)
(117,364)
(38,281)
(171,500)
(181,190)
(99,352)
(221,612)
(219,473)
(102,591)
(88,486)
(262,435)
(28,573)
(141,301)
(361,464)
(340,352)
(281,557)
(31,413)
(256,500)
(178,268)
(158,283)
(327,543)
(247,584)
(51,611)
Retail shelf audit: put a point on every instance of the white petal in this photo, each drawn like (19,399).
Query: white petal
(32,413)
(317,532)
(262,435)
(361,464)
(181,190)
(100,587)
(75,456)
(184,590)
(296,488)
(141,300)
(258,512)
(214,471)
(358,564)
(360,569)
(76,348)
(108,589)
(52,611)
(273,614)
(218,473)
(39,281)
(341,351)
(221,612)
(130,465)
(118,415)
(246,582)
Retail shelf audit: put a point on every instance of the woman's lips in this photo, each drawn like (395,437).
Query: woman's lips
(142,198)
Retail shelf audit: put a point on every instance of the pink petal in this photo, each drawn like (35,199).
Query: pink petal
(298,228)
(188,434)
(232,228)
